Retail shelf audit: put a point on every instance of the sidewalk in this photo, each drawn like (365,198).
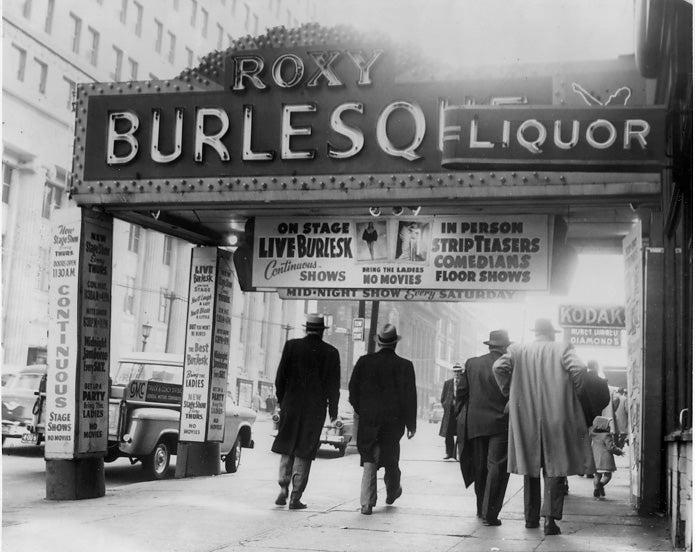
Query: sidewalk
(234,512)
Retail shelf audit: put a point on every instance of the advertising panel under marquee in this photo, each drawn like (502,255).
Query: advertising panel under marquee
(500,252)
(77,378)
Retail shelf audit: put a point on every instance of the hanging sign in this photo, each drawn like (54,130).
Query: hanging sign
(492,252)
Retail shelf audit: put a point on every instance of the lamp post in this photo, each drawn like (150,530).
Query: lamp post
(287,329)
(146,329)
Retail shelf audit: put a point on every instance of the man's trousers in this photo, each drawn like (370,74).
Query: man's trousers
(553,497)
(294,470)
(491,477)
(392,479)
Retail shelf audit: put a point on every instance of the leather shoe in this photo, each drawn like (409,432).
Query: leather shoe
(492,522)
(296,505)
(390,499)
(533,524)
(550,528)
(366,510)
(281,500)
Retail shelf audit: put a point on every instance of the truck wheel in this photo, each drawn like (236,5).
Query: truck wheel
(157,463)
(231,463)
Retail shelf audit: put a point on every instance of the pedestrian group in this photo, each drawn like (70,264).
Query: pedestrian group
(520,408)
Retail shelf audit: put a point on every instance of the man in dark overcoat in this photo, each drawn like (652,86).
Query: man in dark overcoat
(307,381)
(383,394)
(486,423)
(447,429)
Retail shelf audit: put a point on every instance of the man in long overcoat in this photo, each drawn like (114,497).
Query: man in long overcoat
(307,381)
(546,422)
(447,428)
(383,394)
(485,424)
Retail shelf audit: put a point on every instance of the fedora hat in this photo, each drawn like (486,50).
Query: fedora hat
(498,338)
(388,336)
(457,367)
(314,322)
(544,326)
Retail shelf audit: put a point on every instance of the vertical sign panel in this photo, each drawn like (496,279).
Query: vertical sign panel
(194,401)
(61,374)
(94,330)
(220,345)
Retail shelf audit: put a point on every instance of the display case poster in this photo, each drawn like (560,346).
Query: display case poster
(198,347)
(486,252)
(222,328)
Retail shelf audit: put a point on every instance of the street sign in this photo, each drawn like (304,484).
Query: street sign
(358,329)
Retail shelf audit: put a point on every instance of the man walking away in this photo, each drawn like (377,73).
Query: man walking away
(486,424)
(546,422)
(308,380)
(447,429)
(382,392)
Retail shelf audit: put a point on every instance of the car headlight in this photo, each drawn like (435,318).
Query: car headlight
(339,424)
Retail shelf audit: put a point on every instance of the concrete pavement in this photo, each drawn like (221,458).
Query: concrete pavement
(234,512)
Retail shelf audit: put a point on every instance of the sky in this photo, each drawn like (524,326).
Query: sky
(490,32)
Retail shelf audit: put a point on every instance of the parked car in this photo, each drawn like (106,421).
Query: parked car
(144,425)
(339,435)
(18,398)
(436,413)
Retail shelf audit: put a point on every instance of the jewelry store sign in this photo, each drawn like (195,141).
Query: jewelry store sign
(593,325)
(493,252)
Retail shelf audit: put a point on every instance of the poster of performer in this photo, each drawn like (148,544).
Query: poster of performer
(372,241)
(413,241)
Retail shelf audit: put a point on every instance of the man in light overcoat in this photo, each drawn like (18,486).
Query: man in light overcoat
(547,429)
(307,382)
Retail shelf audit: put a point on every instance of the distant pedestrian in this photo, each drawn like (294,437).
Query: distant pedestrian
(447,428)
(621,417)
(484,423)
(307,381)
(603,447)
(547,428)
(383,394)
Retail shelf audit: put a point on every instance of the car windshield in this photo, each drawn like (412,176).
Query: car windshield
(128,371)
(23,381)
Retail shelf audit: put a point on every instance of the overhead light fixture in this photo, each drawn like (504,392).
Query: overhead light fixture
(397,211)
(375,211)
(415,210)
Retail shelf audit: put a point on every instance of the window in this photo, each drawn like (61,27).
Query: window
(164,304)
(26,9)
(129,298)
(20,62)
(7,174)
(124,11)
(220,36)
(134,238)
(172,47)
(194,12)
(230,41)
(42,74)
(158,36)
(289,18)
(133,69)
(50,9)
(204,26)
(117,63)
(52,199)
(189,57)
(166,255)
(93,53)
(247,16)
(138,19)
(255,24)
(70,92)
(76,33)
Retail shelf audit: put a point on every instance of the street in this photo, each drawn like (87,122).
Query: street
(237,511)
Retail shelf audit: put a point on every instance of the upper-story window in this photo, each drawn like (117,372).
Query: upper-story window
(123,16)
(138,18)
(204,26)
(255,24)
(230,41)
(220,36)
(50,10)
(133,69)
(26,9)
(93,53)
(159,31)
(20,59)
(172,47)
(76,32)
(189,57)
(70,92)
(117,64)
(247,16)
(7,174)
(234,7)
(194,12)
(166,254)
(42,69)
(134,238)
(52,199)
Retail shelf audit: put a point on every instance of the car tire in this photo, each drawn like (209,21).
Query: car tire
(233,459)
(156,463)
